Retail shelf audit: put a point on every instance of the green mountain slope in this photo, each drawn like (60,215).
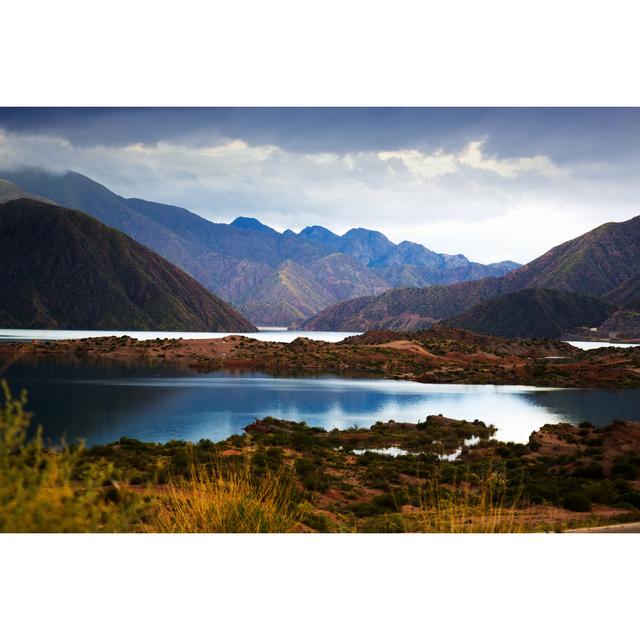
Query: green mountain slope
(63,269)
(627,294)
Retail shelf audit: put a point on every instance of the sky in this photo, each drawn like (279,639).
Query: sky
(491,183)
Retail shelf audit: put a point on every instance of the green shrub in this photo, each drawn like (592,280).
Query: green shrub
(388,523)
(625,469)
(311,475)
(317,521)
(576,501)
(632,498)
(602,493)
(592,471)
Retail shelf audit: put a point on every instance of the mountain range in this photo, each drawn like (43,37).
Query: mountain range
(272,278)
(64,269)
(602,263)
(319,280)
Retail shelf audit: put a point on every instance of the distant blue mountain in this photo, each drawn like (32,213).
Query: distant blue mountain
(319,235)
(252,223)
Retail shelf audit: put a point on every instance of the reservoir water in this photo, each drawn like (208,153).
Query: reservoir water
(267,334)
(104,400)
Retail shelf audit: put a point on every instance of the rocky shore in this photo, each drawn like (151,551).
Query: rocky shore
(437,475)
(437,355)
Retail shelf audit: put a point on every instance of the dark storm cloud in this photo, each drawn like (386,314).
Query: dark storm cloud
(295,129)
(565,135)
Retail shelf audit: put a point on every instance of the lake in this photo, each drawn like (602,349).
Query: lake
(267,334)
(599,345)
(104,400)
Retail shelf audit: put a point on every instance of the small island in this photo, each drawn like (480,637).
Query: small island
(437,355)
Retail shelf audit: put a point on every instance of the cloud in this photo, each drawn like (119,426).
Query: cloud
(423,165)
(457,198)
(474,157)
(567,135)
(428,166)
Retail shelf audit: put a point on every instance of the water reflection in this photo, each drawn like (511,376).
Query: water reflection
(103,401)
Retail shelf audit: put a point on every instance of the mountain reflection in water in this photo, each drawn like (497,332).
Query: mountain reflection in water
(102,401)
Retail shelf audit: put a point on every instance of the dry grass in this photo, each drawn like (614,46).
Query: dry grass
(41,490)
(226,499)
(38,489)
(468,507)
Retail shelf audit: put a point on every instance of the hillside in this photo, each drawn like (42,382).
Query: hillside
(289,291)
(622,324)
(240,261)
(539,313)
(344,277)
(627,294)
(407,308)
(596,263)
(293,291)
(63,269)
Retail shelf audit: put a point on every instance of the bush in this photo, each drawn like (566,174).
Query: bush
(631,498)
(625,469)
(317,521)
(390,523)
(602,493)
(576,502)
(311,475)
(592,471)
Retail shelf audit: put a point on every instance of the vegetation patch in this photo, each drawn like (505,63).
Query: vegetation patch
(284,476)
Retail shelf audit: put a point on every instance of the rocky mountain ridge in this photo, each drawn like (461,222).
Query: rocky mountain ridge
(247,263)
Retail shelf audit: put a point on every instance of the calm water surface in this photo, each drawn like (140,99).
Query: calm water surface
(587,346)
(103,401)
(267,334)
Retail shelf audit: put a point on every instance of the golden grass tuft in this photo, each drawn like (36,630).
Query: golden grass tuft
(226,499)
(41,490)
(38,488)
(478,506)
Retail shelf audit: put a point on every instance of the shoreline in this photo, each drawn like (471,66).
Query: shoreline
(290,333)
(440,475)
(565,478)
(438,355)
